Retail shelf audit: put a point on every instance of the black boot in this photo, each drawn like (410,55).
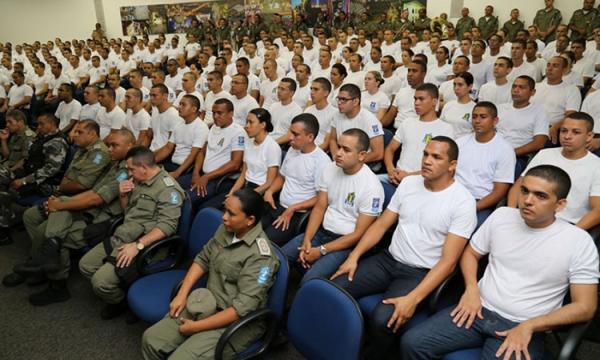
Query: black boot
(111,311)
(5,238)
(56,291)
(13,279)
(46,260)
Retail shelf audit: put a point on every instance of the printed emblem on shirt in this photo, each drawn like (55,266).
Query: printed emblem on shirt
(375,205)
(174,198)
(349,201)
(263,275)
(240,141)
(467,117)
(220,143)
(375,129)
(122,176)
(97,159)
(373,106)
(427,138)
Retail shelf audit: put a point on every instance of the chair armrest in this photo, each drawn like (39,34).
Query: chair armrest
(171,241)
(228,176)
(175,290)
(436,295)
(115,222)
(573,340)
(270,333)
(302,222)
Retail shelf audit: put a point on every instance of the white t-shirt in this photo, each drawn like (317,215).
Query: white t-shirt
(425,218)
(585,180)
(268,90)
(259,158)
(241,108)
(373,103)
(530,270)
(115,119)
(174,82)
(482,73)
(282,116)
(302,95)
(391,85)
(357,78)
(591,105)
(89,111)
(459,116)
(557,99)
(365,121)
(16,94)
(414,135)
(119,94)
(302,173)
(438,74)
(525,69)
(221,143)
(96,73)
(348,196)
(325,118)
(519,126)
(188,136)
(480,165)
(447,91)
(162,125)
(137,122)
(67,112)
(183,93)
(497,94)
(405,103)
(209,102)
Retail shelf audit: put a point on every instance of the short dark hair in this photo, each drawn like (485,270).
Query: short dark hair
(583,116)
(290,82)
(529,79)
(17,115)
(193,99)
(466,76)
(490,106)
(452,147)
(340,68)
(263,116)
(310,123)
(89,124)
(555,175)
(111,92)
(162,87)
(508,61)
(323,82)
(252,203)
(422,64)
(141,155)
(50,116)
(70,88)
(430,89)
(228,104)
(243,60)
(351,89)
(363,139)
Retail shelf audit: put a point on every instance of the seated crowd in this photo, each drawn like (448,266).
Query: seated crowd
(379,156)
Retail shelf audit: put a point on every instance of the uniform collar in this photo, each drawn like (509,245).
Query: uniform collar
(93,145)
(151,181)
(250,236)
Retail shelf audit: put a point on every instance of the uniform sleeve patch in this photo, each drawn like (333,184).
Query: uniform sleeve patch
(98,158)
(240,141)
(375,129)
(174,198)
(122,176)
(263,275)
(375,205)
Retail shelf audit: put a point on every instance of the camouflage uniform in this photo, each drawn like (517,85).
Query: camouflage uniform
(488,27)
(155,203)
(421,24)
(18,148)
(544,20)
(511,29)
(582,20)
(463,25)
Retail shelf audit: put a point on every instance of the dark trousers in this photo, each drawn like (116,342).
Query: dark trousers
(381,273)
(198,200)
(219,198)
(279,236)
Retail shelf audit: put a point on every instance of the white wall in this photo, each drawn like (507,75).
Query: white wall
(502,9)
(30,20)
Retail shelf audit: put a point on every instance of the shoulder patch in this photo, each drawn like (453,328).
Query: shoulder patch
(263,275)
(241,140)
(174,197)
(168,181)
(122,175)
(263,246)
(98,158)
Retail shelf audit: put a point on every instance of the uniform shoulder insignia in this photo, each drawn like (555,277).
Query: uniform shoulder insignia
(174,197)
(263,246)
(29,132)
(98,158)
(168,181)
(122,175)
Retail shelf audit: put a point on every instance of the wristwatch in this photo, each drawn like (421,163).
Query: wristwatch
(139,245)
(323,250)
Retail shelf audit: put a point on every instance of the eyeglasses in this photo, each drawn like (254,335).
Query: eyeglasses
(343,100)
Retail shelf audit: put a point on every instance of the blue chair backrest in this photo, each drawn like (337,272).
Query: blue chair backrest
(388,192)
(325,322)
(388,135)
(185,219)
(206,223)
(277,293)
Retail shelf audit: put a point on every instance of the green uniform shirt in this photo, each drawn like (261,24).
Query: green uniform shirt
(18,146)
(403,24)
(463,25)
(421,24)
(155,203)
(88,164)
(488,27)
(221,34)
(581,20)
(544,20)
(512,29)
(107,187)
(241,273)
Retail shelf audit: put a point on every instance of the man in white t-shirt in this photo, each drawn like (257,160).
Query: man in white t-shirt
(435,216)
(591,106)
(179,154)
(523,124)
(68,109)
(302,93)
(349,200)
(173,77)
(242,101)
(137,119)
(486,162)
(242,66)
(322,110)
(164,117)
(19,95)
(110,116)
(90,108)
(268,86)
(298,181)
(220,157)
(520,66)
(352,116)
(413,135)
(498,91)
(283,111)
(216,91)
(188,84)
(583,167)
(535,259)
(403,106)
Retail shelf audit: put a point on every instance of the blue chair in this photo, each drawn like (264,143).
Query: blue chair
(149,297)
(388,192)
(388,135)
(325,322)
(272,314)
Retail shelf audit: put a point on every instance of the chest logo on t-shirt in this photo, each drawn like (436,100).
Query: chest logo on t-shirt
(349,201)
(467,117)
(373,106)
(427,138)
(220,143)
